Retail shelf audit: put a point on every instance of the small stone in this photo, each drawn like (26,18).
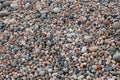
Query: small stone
(6,3)
(41,72)
(88,39)
(71,0)
(116,57)
(27,5)
(94,67)
(12,21)
(37,50)
(14,5)
(84,49)
(80,77)
(0,6)
(93,48)
(116,25)
(4,13)
(56,9)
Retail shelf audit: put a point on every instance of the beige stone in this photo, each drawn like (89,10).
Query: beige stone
(93,48)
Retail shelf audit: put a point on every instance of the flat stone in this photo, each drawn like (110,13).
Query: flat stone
(4,13)
(116,25)
(116,57)
(93,48)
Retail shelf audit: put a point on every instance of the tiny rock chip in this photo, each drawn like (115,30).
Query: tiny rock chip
(116,57)
(56,9)
(4,13)
(93,48)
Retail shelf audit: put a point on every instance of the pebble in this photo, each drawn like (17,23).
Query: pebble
(93,48)
(37,50)
(14,5)
(71,0)
(116,25)
(94,67)
(4,13)
(84,49)
(6,3)
(27,5)
(88,39)
(56,10)
(116,57)
(0,6)
(11,21)
(59,39)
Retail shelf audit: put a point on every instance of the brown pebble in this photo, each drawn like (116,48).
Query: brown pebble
(12,21)
(93,48)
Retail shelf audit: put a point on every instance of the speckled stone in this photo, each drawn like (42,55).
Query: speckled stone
(116,57)
(116,25)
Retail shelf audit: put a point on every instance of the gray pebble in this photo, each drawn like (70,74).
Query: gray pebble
(94,67)
(14,6)
(5,4)
(56,9)
(42,72)
(37,50)
(116,25)
(88,39)
(4,13)
(116,57)
(84,49)
(71,0)
(0,6)
(27,5)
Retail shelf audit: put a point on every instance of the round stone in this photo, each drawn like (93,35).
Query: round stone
(116,57)
(116,25)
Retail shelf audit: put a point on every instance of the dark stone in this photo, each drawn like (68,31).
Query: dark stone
(79,23)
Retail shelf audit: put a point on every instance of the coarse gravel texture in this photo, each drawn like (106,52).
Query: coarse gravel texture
(59,40)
